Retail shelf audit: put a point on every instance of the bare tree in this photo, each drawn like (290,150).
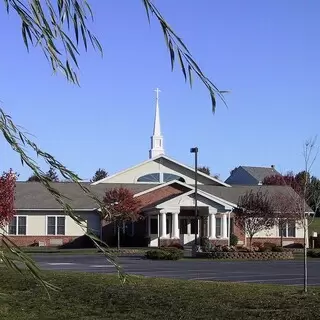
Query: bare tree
(310,153)
(254,213)
(286,212)
(303,193)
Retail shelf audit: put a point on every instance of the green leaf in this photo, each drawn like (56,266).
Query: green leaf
(146,5)
(182,65)
(190,75)
(171,54)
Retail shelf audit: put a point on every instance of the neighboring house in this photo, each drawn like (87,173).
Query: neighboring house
(166,189)
(245,175)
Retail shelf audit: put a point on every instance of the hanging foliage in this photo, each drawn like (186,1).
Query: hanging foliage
(7,188)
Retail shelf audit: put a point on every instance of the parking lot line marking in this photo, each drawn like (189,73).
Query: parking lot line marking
(101,266)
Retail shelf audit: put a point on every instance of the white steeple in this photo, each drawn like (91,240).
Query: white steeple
(156,139)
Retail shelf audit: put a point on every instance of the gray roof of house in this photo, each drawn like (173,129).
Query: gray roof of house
(259,173)
(33,195)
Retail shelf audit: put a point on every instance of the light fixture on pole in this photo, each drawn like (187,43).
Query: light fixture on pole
(195,151)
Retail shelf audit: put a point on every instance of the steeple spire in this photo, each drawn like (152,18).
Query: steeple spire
(156,139)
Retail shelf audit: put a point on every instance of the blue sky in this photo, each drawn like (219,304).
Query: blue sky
(265,52)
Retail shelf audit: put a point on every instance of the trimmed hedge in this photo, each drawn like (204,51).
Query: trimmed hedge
(313,254)
(164,254)
(267,255)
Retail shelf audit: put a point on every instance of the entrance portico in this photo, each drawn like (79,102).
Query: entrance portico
(174,221)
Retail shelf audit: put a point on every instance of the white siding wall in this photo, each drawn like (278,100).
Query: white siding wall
(37,223)
(274,232)
(159,165)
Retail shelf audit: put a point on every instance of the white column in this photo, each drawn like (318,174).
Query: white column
(212,225)
(163,230)
(175,225)
(189,227)
(224,226)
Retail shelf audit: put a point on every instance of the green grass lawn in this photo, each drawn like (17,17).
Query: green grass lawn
(314,226)
(97,296)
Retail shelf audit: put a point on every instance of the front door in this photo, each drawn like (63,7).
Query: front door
(187,229)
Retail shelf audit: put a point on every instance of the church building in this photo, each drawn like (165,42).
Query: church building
(166,189)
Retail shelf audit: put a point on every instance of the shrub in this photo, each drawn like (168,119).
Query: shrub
(243,249)
(313,254)
(164,254)
(176,245)
(206,244)
(233,240)
(257,244)
(295,245)
(277,249)
(269,245)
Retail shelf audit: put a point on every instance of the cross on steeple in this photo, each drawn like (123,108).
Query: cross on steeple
(156,139)
(157,91)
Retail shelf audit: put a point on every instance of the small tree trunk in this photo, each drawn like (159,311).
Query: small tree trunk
(250,242)
(118,234)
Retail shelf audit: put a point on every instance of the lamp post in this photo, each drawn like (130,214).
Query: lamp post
(195,151)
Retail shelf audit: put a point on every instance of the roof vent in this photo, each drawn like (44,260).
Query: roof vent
(272,166)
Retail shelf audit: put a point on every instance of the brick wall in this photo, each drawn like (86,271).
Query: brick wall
(277,241)
(26,241)
(164,193)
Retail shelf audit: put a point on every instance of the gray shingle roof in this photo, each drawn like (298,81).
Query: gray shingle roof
(232,194)
(33,195)
(259,173)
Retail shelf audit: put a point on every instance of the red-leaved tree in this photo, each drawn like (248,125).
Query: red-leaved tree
(122,207)
(7,188)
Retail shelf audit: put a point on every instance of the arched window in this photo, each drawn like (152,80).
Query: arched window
(151,177)
(169,177)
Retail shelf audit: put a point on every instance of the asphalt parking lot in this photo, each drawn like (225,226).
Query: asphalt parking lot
(269,272)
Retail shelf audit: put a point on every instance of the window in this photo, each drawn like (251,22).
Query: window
(183,226)
(194,226)
(56,225)
(288,229)
(231,229)
(282,230)
(18,225)
(154,226)
(129,228)
(291,229)
(151,177)
(169,177)
(218,227)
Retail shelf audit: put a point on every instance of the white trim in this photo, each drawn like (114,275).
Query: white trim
(222,202)
(17,226)
(56,225)
(168,159)
(192,189)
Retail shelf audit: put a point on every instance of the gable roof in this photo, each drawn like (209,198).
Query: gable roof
(258,173)
(186,189)
(104,180)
